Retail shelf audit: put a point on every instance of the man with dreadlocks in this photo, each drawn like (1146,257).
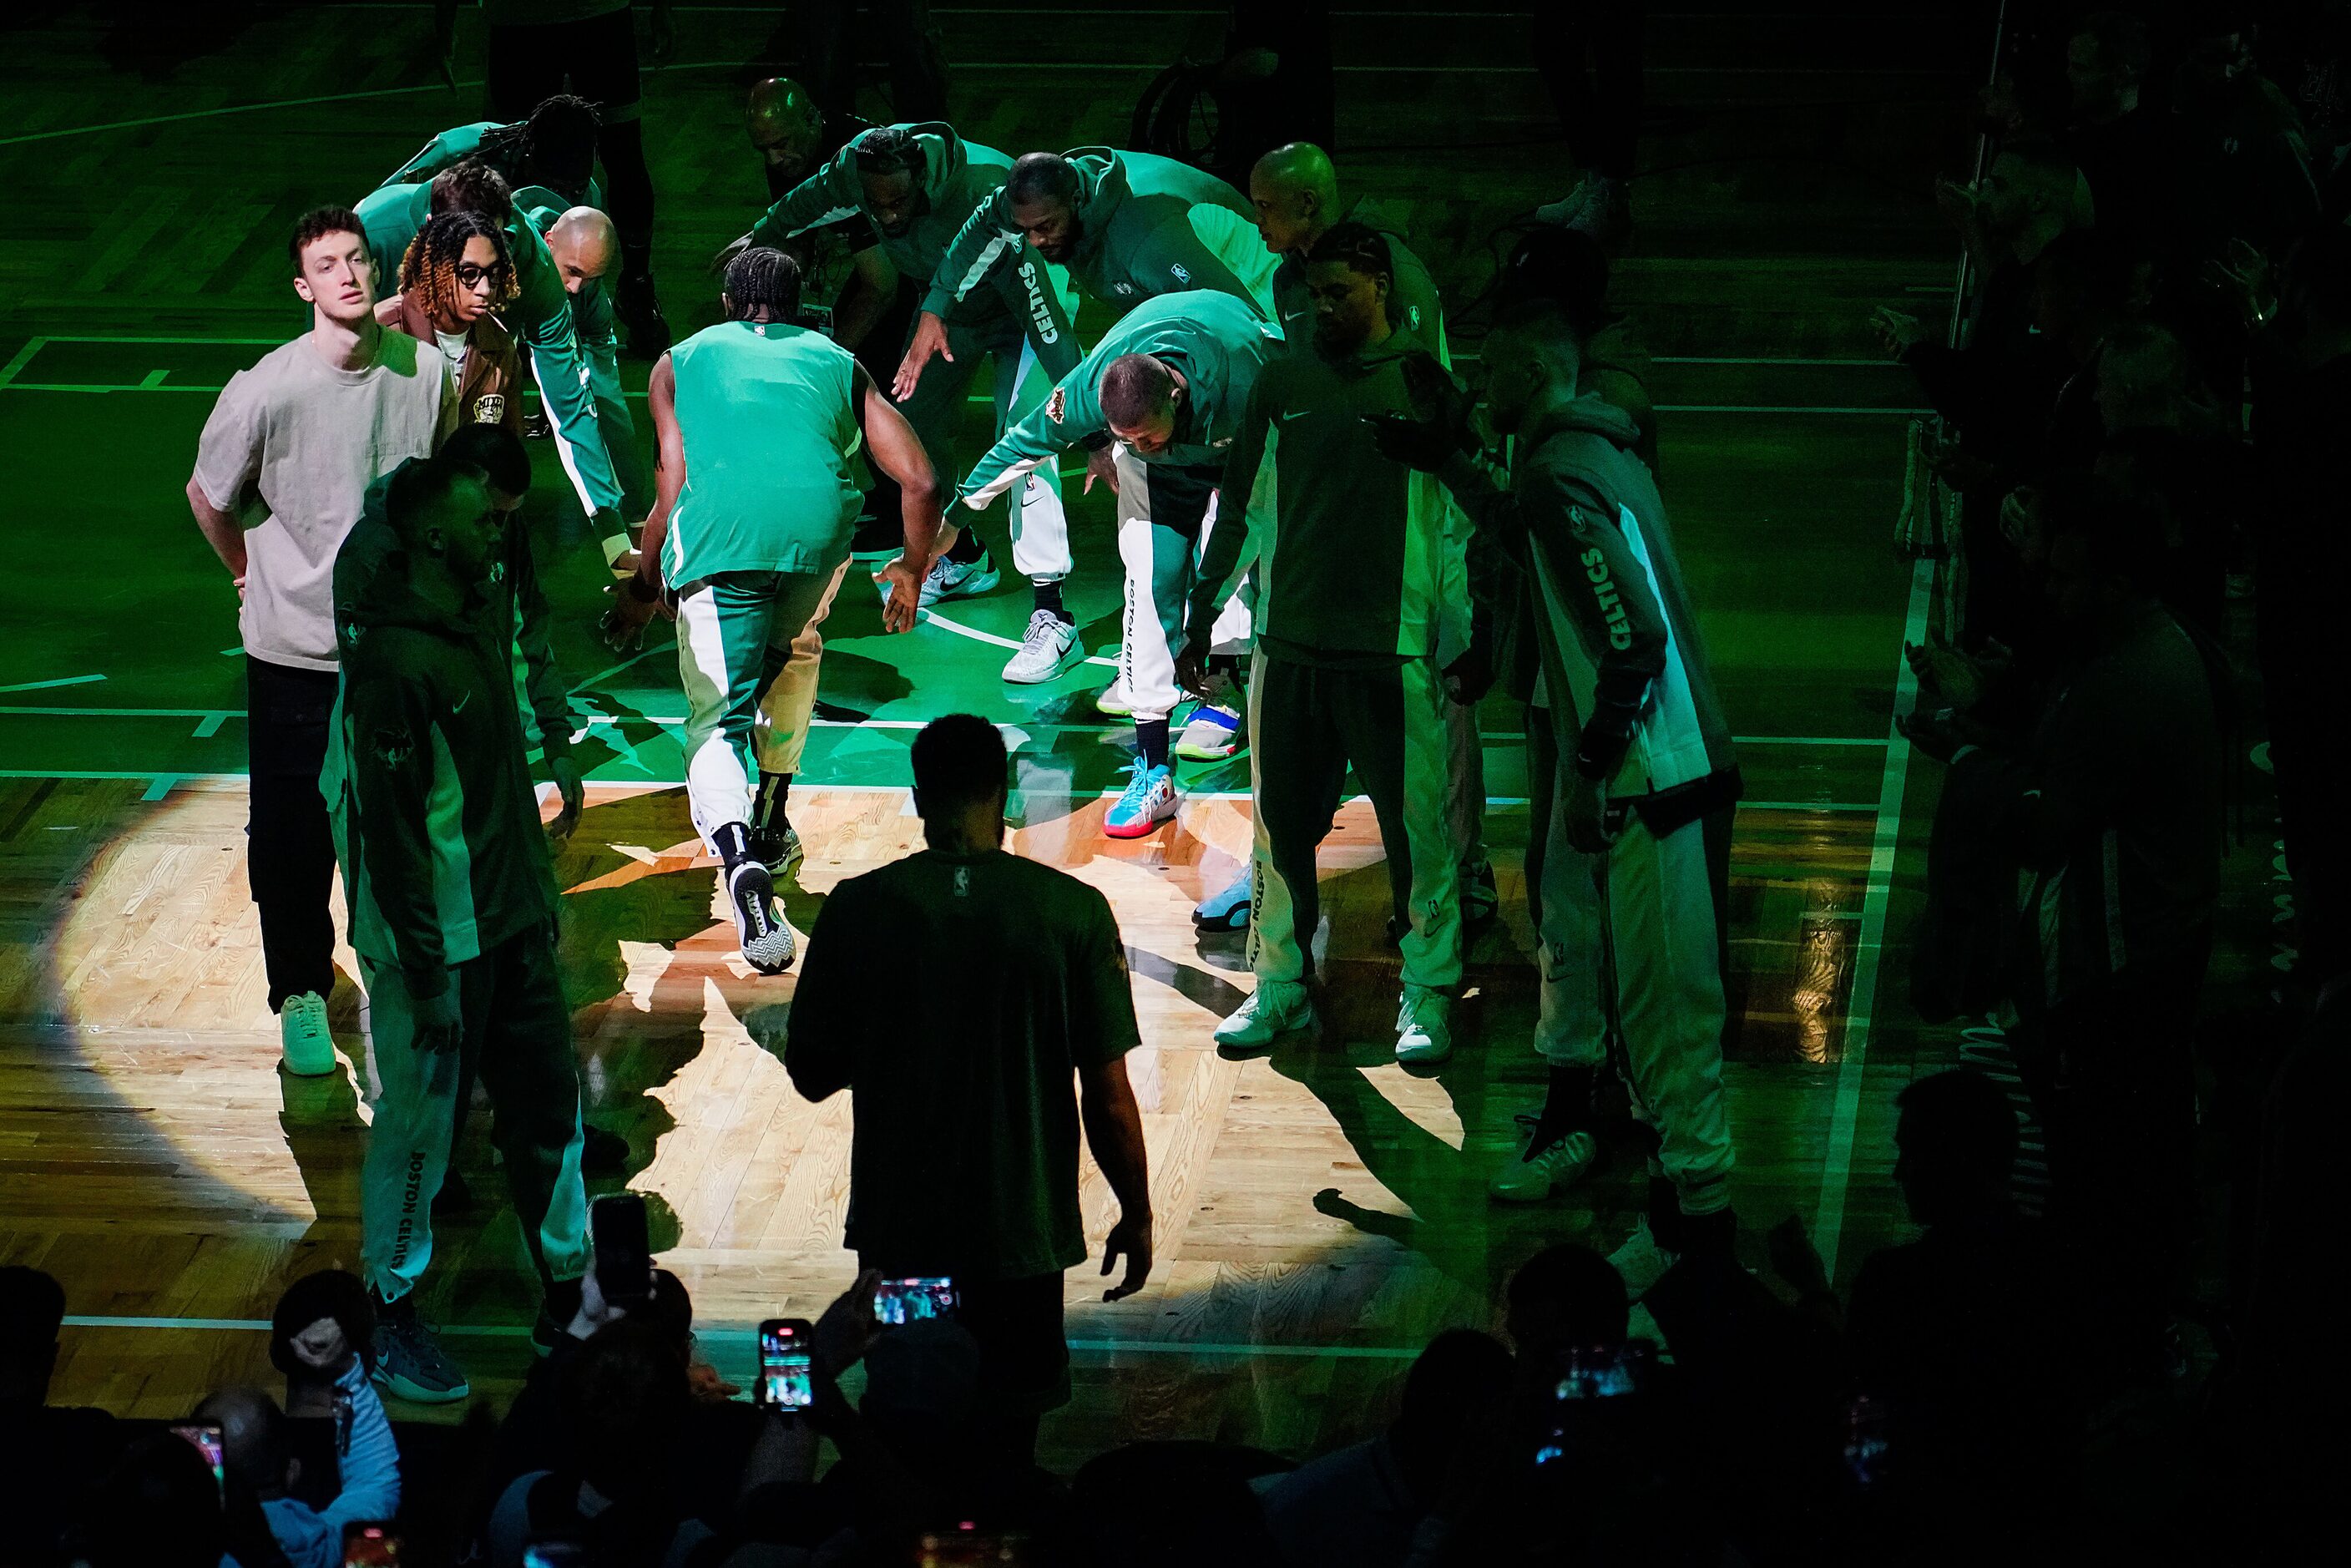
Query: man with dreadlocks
(395,215)
(917,185)
(457,274)
(555,148)
(757,421)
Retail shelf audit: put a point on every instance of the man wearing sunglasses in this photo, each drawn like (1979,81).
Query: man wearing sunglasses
(454,278)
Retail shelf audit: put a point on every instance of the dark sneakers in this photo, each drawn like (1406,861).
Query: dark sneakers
(409,1360)
(766,940)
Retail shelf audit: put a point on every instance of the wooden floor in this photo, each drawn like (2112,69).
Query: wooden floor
(1320,1211)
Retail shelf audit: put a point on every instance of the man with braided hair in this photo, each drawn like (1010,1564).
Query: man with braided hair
(457,276)
(542,317)
(555,147)
(759,420)
(917,185)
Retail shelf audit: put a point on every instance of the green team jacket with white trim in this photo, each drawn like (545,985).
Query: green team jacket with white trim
(1620,645)
(460,142)
(1216,342)
(393,216)
(1147,225)
(959,178)
(1362,557)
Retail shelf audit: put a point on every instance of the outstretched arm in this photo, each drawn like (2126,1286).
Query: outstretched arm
(898,451)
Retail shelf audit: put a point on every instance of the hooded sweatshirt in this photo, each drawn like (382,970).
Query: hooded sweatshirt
(1216,342)
(1414,308)
(1620,643)
(1362,562)
(444,857)
(395,215)
(1147,225)
(959,177)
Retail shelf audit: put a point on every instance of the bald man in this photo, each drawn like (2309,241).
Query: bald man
(542,316)
(585,246)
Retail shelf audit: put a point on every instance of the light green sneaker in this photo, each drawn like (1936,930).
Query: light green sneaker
(1537,1173)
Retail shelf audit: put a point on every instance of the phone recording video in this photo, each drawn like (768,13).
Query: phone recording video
(371,1545)
(624,1263)
(912,1301)
(206,1437)
(784,1382)
(1587,1374)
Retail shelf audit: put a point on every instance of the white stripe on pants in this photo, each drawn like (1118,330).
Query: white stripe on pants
(739,633)
(1161,562)
(1645,910)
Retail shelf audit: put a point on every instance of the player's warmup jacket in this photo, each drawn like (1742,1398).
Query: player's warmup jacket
(1147,226)
(1414,308)
(395,215)
(1365,559)
(1217,343)
(444,857)
(1620,646)
(959,178)
(460,142)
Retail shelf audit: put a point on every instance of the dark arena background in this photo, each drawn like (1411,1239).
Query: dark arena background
(1322,1209)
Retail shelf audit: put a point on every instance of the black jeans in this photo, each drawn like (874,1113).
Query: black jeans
(289,849)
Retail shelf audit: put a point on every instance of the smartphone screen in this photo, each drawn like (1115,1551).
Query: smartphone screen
(912,1301)
(1598,1372)
(207,1437)
(969,1548)
(623,1252)
(553,1555)
(784,1380)
(371,1545)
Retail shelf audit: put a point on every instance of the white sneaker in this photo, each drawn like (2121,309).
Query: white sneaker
(1537,1173)
(1274,1009)
(1642,1261)
(765,937)
(1049,646)
(302,1033)
(1424,1026)
(1114,700)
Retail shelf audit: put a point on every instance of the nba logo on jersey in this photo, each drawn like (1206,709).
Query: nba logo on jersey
(963,882)
(489,408)
(1181,275)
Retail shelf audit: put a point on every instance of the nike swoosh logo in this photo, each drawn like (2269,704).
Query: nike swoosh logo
(459,705)
(1300,413)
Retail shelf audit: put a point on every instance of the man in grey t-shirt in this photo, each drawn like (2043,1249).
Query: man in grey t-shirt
(284,462)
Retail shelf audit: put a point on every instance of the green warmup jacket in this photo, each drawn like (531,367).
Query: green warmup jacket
(1147,226)
(1216,342)
(593,324)
(1362,560)
(768,413)
(394,214)
(1414,308)
(1622,657)
(444,857)
(460,142)
(959,178)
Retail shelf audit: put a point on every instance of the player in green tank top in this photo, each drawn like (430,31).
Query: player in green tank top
(758,423)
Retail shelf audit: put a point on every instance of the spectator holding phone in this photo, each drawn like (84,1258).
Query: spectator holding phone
(256,1450)
(964,1160)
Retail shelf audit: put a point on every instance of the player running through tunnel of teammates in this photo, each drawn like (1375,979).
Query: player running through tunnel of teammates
(1156,404)
(542,318)
(1626,897)
(1361,620)
(759,422)
(918,186)
(1129,227)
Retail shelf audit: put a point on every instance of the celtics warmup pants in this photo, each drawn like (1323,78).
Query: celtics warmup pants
(748,652)
(517,1039)
(1038,526)
(1306,726)
(1644,911)
(1164,513)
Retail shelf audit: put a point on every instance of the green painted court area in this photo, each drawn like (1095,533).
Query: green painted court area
(1784,476)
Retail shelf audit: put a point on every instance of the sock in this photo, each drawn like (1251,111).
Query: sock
(733,843)
(1151,741)
(967,548)
(1048,597)
(775,796)
(1567,1104)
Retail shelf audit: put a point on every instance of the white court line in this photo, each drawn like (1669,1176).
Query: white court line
(936,619)
(1836,1171)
